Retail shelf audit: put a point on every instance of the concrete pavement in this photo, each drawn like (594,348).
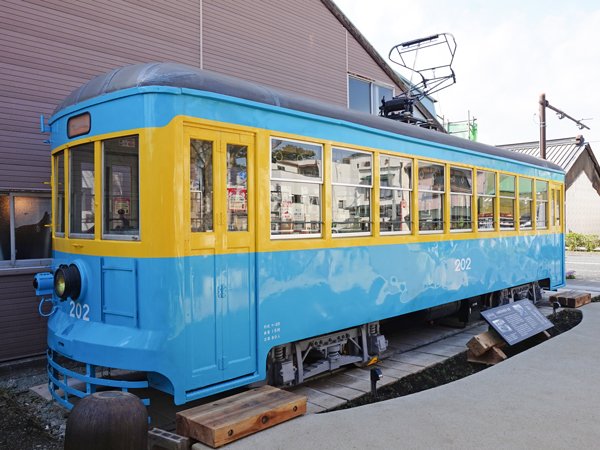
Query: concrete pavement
(545,398)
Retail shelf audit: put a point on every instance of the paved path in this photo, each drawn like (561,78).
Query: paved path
(545,398)
(585,264)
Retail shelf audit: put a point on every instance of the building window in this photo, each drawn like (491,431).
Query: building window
(541,214)
(351,180)
(81,188)
(486,193)
(395,186)
(525,203)
(296,185)
(366,96)
(507,202)
(25,230)
(120,191)
(461,193)
(431,197)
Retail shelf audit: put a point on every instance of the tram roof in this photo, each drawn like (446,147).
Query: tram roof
(183,76)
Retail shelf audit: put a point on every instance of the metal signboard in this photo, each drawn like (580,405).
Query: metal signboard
(517,321)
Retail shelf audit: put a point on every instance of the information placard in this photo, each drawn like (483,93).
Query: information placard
(517,321)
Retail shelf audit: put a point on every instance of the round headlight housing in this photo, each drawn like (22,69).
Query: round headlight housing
(67,282)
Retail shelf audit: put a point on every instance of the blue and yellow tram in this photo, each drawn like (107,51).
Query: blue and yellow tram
(214,233)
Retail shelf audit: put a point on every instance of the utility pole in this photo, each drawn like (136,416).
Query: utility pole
(561,115)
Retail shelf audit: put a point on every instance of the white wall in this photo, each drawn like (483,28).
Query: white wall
(583,207)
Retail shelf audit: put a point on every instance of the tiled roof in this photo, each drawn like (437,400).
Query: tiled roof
(563,152)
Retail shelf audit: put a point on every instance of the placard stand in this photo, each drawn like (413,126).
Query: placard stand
(509,324)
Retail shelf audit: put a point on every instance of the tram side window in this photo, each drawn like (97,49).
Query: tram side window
(461,195)
(486,193)
(351,175)
(507,202)
(541,208)
(525,203)
(296,186)
(59,192)
(120,196)
(395,186)
(81,189)
(431,197)
(201,185)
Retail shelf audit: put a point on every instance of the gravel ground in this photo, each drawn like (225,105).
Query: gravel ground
(27,420)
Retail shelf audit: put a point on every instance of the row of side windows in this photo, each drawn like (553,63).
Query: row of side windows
(297,182)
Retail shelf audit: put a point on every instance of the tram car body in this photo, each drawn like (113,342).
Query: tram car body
(214,233)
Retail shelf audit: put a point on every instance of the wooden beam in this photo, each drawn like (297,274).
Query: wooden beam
(240,415)
(483,342)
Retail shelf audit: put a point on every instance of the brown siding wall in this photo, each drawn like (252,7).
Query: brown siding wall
(296,46)
(22,328)
(361,63)
(50,47)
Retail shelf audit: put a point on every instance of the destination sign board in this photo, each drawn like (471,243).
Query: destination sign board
(517,321)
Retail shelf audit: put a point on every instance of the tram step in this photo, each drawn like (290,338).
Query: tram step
(240,415)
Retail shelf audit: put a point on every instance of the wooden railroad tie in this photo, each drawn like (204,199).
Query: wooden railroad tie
(485,347)
(240,415)
(571,299)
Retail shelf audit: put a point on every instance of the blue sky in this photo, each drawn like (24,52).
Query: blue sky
(508,53)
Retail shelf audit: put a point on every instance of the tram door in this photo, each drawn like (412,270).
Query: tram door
(220,240)
(556,218)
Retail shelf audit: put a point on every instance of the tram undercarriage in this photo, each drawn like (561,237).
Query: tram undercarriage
(294,363)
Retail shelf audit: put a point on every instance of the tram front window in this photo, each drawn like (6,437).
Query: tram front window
(121,197)
(81,188)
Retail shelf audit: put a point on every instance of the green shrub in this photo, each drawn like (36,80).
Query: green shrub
(587,241)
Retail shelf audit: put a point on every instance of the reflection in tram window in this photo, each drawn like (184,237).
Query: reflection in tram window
(395,186)
(201,185)
(59,189)
(541,215)
(296,183)
(237,187)
(486,193)
(431,197)
(461,193)
(121,188)
(507,202)
(525,203)
(351,179)
(81,187)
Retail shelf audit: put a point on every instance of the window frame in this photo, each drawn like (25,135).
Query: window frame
(531,203)
(493,197)
(410,195)
(55,203)
(500,197)
(545,223)
(442,201)
(372,84)
(69,211)
(317,181)
(102,204)
(13,262)
(369,191)
(461,230)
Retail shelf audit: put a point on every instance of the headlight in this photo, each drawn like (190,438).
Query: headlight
(67,282)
